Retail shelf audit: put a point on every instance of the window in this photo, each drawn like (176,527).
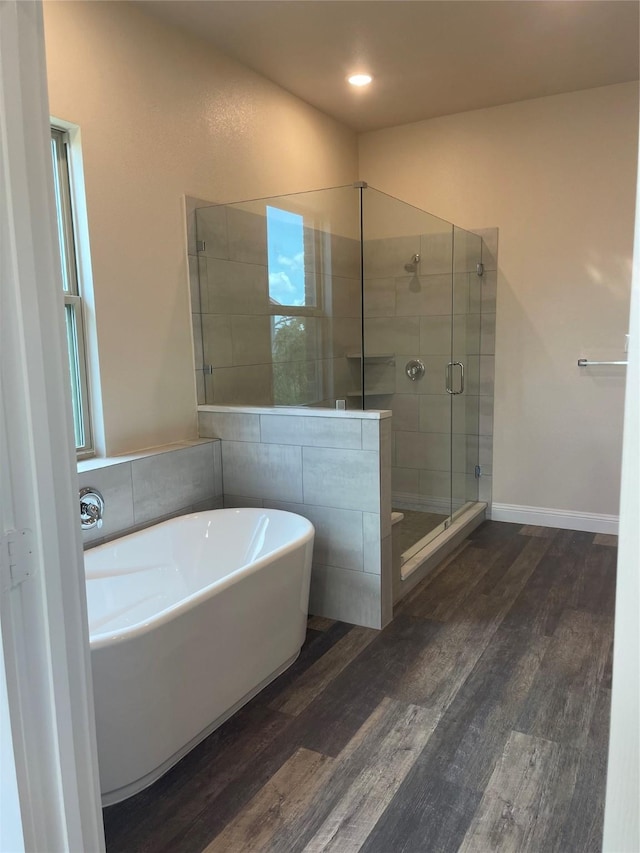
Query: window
(72,296)
(288,284)
(295,333)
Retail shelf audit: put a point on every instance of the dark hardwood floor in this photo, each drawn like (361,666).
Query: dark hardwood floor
(477,721)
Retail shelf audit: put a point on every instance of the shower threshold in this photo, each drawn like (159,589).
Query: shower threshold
(441,540)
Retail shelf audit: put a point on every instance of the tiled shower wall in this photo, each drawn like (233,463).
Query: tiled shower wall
(408,316)
(334,469)
(232,313)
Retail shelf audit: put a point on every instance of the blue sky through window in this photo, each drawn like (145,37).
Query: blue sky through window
(285,252)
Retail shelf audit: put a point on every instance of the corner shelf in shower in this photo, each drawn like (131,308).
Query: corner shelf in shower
(371,393)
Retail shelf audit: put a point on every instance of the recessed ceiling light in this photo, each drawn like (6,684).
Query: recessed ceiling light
(359,79)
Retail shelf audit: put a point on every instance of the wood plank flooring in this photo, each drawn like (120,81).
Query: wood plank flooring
(476,722)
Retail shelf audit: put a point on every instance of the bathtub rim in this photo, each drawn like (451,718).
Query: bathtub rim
(106,639)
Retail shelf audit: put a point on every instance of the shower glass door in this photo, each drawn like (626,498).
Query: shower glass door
(464,368)
(408,308)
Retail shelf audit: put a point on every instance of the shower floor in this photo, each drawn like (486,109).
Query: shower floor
(415,525)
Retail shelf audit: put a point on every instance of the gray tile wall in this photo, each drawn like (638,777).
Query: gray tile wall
(335,471)
(153,487)
(233,316)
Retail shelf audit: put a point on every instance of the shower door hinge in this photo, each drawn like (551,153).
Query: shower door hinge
(200,245)
(480,269)
(208,369)
(16,558)
(478,472)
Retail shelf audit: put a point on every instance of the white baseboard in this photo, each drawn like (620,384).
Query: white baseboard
(565,519)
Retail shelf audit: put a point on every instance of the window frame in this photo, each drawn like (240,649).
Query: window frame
(72,289)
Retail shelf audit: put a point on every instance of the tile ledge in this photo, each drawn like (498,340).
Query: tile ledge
(301,411)
(97,462)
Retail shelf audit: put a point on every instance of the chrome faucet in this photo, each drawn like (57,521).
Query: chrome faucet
(91,508)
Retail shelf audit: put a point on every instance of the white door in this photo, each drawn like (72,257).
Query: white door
(49,780)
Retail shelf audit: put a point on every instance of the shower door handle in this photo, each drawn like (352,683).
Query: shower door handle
(448,371)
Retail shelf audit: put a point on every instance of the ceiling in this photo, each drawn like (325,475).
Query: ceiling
(428,57)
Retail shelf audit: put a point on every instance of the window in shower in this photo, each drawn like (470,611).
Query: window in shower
(293,299)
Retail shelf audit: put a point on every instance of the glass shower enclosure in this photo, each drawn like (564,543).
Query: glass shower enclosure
(350,298)
(421,351)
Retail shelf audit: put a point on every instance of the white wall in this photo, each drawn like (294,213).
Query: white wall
(557,176)
(163,115)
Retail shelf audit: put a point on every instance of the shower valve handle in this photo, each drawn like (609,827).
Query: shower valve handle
(414,369)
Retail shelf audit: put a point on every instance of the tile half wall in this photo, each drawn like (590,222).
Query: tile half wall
(334,468)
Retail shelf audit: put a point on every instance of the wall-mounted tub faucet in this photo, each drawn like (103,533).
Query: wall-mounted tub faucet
(91,508)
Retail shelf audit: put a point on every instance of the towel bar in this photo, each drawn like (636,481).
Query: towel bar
(584,362)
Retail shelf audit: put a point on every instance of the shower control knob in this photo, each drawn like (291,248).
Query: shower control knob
(414,369)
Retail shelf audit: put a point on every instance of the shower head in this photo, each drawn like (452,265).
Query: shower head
(412,266)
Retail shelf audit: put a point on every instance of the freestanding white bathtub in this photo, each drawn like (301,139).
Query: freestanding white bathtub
(188,620)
